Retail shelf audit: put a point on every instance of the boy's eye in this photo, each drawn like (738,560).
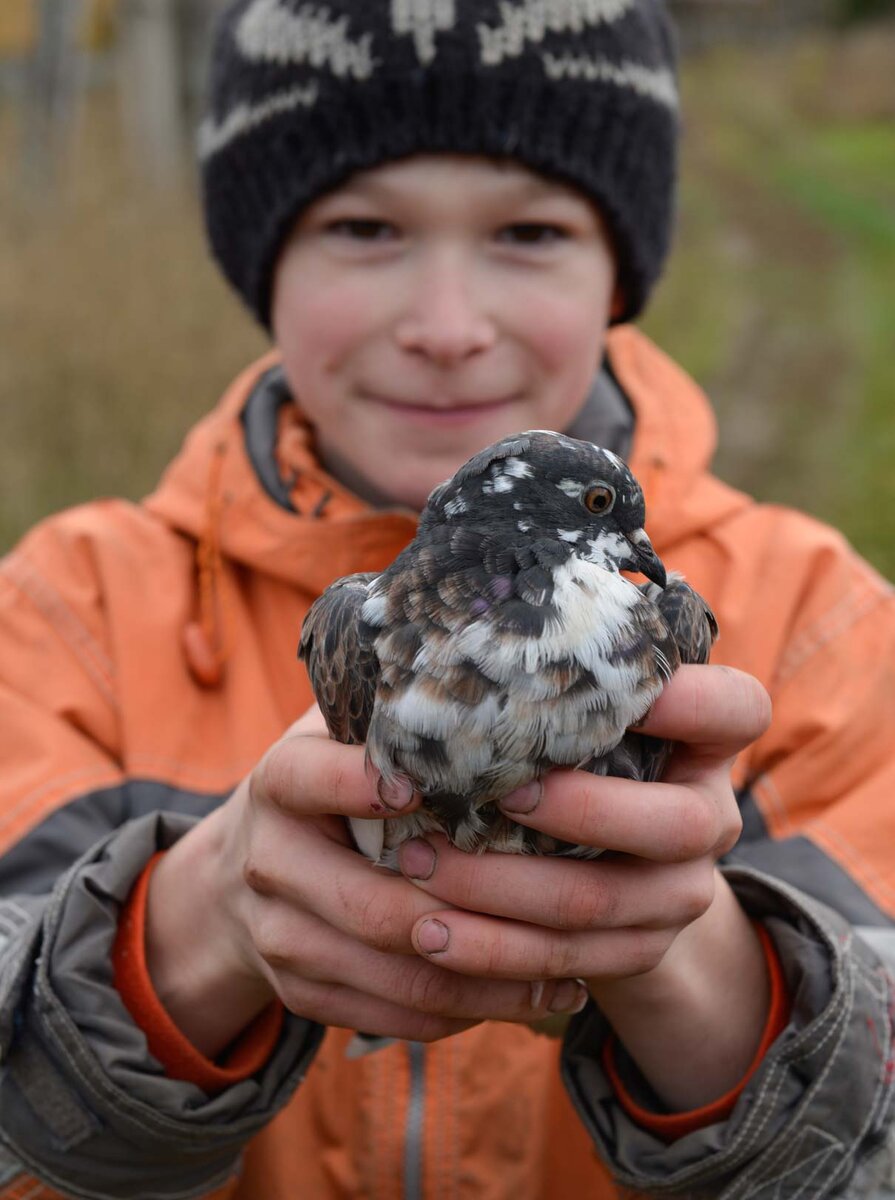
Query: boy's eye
(362,229)
(532,233)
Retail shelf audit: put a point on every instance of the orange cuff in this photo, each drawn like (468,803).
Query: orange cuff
(174,1051)
(675,1125)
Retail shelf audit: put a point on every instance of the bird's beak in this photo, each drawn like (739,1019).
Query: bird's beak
(645,559)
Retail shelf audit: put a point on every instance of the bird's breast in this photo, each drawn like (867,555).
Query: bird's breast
(483,706)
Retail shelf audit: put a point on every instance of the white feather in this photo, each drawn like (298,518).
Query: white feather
(369,836)
(456,506)
(374,609)
(662,663)
(417,712)
(571,487)
(517,468)
(500,483)
(607,550)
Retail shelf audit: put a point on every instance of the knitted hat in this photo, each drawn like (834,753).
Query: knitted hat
(303,95)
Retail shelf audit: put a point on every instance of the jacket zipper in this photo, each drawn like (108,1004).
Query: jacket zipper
(415,1122)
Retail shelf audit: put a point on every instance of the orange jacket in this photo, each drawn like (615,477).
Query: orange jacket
(147,660)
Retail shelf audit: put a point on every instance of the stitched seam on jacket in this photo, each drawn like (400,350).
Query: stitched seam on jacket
(837,841)
(59,791)
(848,1154)
(452,1102)
(765,1101)
(220,777)
(62,1031)
(39,1084)
(108,1093)
(830,625)
(105,1091)
(63,1035)
(765,784)
(757,1189)
(12,918)
(41,1173)
(66,622)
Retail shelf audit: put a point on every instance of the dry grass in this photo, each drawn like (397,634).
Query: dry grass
(116,332)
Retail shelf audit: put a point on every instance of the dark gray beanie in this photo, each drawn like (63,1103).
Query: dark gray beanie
(304,94)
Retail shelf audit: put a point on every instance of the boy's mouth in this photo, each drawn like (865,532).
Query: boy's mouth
(447,412)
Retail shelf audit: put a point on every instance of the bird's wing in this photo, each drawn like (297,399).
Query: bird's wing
(690,621)
(338,651)
(692,629)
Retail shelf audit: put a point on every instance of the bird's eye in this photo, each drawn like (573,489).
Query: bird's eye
(599,499)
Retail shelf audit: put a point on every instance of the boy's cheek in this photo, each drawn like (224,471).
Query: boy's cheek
(335,321)
(563,333)
(575,332)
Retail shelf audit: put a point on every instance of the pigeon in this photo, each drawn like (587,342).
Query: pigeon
(504,642)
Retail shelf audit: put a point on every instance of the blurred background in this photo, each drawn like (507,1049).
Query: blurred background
(116,332)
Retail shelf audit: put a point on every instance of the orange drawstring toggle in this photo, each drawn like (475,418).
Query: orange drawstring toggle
(203,640)
(201,658)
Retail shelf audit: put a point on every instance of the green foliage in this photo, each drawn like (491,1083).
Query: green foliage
(864,10)
(781,293)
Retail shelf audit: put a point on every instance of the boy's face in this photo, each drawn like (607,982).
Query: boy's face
(431,306)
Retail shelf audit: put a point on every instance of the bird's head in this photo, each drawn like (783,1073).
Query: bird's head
(545,485)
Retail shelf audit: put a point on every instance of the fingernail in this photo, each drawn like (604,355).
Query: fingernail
(417,859)
(395,793)
(524,800)
(537,993)
(433,936)
(570,997)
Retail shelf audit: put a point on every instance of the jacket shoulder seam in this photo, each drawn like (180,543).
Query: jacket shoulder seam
(834,623)
(47,600)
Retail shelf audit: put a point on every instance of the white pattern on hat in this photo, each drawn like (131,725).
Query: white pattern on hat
(657,85)
(529,20)
(243,119)
(423,18)
(270,32)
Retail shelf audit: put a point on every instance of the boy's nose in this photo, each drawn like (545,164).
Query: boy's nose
(444,319)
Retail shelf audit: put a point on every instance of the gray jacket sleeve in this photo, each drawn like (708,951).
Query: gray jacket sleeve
(78,1088)
(816,1119)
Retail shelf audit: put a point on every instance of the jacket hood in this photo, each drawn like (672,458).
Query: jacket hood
(675,437)
(212,491)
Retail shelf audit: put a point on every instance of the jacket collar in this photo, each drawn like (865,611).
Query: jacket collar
(310,529)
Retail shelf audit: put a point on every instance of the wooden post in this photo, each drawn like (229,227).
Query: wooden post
(54,85)
(149,86)
(164,46)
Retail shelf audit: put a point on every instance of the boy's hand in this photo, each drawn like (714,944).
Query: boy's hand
(618,922)
(528,917)
(283,905)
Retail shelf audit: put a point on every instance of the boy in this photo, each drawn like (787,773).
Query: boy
(439,209)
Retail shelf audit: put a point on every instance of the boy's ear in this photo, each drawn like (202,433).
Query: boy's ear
(617,307)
